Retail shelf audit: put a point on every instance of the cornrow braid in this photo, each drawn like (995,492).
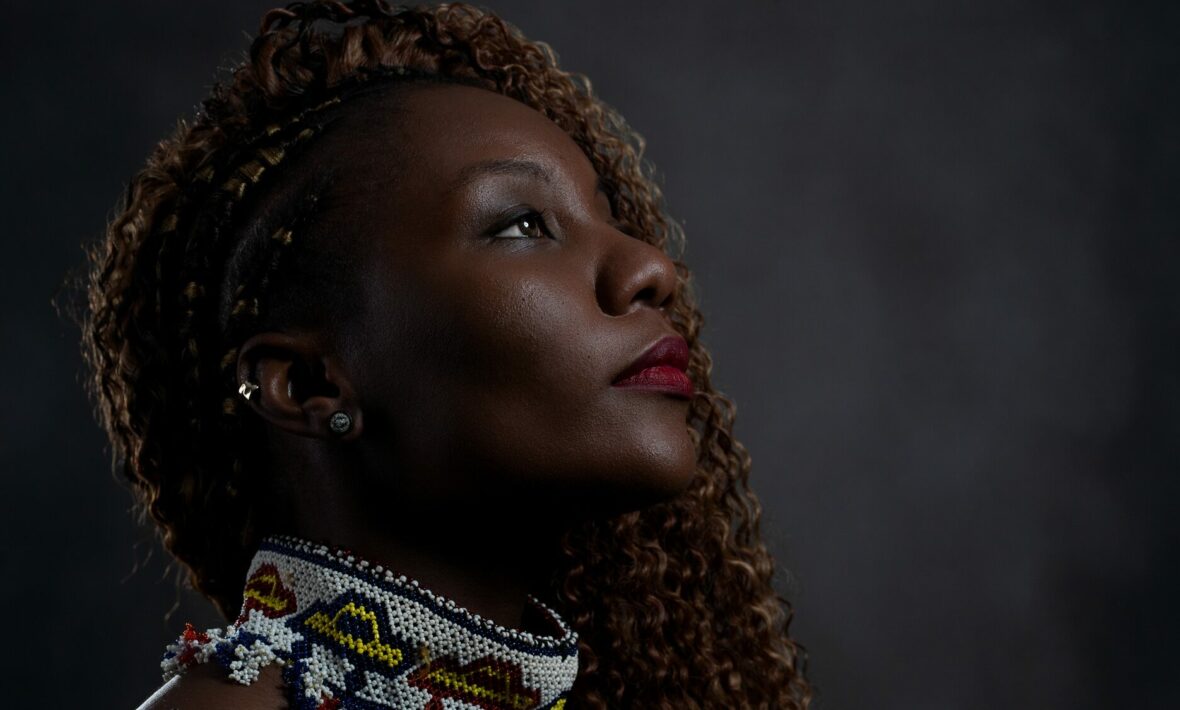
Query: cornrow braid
(674,605)
(242,317)
(239,323)
(205,215)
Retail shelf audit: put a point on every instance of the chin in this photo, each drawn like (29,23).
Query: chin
(657,473)
(670,483)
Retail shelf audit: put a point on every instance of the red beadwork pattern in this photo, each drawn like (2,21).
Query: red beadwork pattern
(488,682)
(266,592)
(344,631)
(327,702)
(192,640)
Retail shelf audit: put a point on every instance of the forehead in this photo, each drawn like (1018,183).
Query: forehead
(431,133)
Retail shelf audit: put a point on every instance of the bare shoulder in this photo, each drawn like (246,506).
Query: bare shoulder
(207,686)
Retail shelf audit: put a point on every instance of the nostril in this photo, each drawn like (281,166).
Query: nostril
(648,294)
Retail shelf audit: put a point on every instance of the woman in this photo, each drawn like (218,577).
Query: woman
(389,344)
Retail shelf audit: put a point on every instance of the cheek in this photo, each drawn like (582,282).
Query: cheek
(530,341)
(488,352)
(539,407)
(503,379)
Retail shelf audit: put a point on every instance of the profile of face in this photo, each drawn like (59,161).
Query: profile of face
(499,303)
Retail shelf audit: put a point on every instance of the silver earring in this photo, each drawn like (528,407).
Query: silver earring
(340,422)
(247,388)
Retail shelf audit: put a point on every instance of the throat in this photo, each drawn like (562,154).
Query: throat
(489,568)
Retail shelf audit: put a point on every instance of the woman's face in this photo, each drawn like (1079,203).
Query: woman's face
(500,302)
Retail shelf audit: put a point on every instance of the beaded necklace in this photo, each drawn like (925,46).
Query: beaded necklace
(350,634)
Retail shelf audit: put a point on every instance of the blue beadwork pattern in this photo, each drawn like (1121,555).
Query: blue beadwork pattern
(350,634)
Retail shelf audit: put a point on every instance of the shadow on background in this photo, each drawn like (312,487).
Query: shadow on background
(936,246)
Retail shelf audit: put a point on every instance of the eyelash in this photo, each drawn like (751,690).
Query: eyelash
(539,219)
(533,216)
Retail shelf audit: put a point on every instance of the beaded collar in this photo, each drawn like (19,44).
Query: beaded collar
(350,634)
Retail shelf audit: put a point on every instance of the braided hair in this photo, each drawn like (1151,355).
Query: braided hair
(217,238)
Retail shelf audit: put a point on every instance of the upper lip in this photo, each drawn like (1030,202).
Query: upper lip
(671,351)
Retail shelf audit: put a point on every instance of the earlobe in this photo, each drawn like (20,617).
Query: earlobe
(295,386)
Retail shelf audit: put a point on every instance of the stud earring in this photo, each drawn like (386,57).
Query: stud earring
(340,422)
(247,388)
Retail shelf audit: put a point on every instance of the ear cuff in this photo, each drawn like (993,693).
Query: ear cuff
(340,423)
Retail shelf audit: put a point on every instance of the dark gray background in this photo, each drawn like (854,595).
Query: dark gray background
(935,244)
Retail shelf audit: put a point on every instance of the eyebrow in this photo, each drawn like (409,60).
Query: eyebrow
(511,166)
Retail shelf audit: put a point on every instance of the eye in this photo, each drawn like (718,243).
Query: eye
(529,225)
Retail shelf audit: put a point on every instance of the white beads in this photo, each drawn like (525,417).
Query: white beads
(343,622)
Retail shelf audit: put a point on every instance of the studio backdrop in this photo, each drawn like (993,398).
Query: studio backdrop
(935,245)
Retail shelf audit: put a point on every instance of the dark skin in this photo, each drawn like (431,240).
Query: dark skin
(479,370)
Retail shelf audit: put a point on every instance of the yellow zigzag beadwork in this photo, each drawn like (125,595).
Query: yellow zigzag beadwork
(464,683)
(374,648)
(271,601)
(345,632)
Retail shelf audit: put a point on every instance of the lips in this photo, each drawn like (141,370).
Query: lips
(661,367)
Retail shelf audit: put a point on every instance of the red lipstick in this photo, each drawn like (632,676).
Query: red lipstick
(661,368)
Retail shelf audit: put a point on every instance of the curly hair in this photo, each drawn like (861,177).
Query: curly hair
(673,603)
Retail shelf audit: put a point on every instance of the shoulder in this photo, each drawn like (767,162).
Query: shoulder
(207,686)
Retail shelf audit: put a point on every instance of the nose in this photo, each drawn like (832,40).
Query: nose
(634,274)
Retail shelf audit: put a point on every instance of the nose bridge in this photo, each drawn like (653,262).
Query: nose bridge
(634,273)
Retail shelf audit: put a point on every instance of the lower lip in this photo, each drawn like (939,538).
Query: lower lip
(662,378)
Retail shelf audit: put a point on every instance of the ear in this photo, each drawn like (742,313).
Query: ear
(300,386)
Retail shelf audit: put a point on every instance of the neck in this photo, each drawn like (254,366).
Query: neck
(487,563)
